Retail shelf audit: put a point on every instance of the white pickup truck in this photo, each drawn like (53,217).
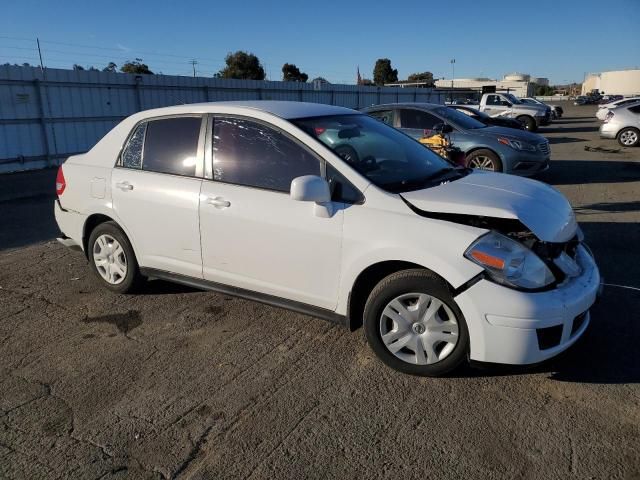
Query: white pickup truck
(507,105)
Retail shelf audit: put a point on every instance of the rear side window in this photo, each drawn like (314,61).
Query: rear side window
(417,119)
(385,116)
(252,154)
(171,145)
(132,154)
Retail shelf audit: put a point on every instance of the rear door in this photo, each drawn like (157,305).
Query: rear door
(155,189)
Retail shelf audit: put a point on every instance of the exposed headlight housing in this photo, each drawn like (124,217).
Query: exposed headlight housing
(517,144)
(509,263)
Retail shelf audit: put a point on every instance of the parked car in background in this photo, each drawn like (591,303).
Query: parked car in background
(556,110)
(604,108)
(488,120)
(507,105)
(492,148)
(623,124)
(439,264)
(581,100)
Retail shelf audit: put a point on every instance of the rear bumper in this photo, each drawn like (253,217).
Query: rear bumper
(71,224)
(607,130)
(520,328)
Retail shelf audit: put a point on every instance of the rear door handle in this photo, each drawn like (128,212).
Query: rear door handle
(218,202)
(124,186)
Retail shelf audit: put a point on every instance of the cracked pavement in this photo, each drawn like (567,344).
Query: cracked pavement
(178,383)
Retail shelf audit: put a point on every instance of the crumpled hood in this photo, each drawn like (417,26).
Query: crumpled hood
(541,208)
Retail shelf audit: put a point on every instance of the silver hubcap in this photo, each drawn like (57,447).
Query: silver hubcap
(482,162)
(418,328)
(629,137)
(109,259)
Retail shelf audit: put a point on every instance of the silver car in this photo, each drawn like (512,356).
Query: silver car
(492,148)
(623,124)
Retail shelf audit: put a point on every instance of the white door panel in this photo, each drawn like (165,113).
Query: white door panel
(161,213)
(264,241)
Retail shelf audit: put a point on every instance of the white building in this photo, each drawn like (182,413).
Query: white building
(520,84)
(617,82)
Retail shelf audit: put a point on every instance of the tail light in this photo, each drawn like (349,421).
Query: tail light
(60,182)
(608,117)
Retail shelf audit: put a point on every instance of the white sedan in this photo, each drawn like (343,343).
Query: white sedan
(440,264)
(604,109)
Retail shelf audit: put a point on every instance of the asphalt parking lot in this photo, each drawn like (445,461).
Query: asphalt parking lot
(178,383)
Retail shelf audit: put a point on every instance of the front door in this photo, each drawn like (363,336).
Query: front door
(254,236)
(155,190)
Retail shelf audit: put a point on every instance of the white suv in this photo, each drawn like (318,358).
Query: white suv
(332,213)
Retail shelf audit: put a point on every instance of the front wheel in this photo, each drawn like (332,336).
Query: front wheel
(629,137)
(484,159)
(112,259)
(413,324)
(528,123)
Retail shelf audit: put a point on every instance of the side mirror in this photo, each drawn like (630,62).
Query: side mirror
(311,188)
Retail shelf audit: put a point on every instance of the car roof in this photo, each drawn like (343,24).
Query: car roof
(418,105)
(283,109)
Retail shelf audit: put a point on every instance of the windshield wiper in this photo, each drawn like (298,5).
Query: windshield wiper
(433,178)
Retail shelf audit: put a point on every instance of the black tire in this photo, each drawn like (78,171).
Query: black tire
(477,157)
(132,279)
(528,122)
(628,133)
(412,281)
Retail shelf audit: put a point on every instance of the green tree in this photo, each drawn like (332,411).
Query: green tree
(367,82)
(242,65)
(111,67)
(135,66)
(77,67)
(383,72)
(544,90)
(291,73)
(422,77)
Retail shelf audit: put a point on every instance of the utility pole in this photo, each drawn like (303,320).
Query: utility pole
(40,54)
(193,64)
(453,71)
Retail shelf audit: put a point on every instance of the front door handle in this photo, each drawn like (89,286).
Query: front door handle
(124,186)
(218,202)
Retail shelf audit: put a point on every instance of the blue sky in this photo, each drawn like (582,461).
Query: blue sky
(559,39)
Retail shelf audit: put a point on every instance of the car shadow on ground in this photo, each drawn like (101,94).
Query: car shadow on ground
(555,140)
(26,221)
(568,129)
(575,172)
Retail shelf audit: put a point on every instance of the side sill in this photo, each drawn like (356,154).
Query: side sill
(272,300)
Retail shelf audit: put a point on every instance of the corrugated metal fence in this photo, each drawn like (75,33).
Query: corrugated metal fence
(47,116)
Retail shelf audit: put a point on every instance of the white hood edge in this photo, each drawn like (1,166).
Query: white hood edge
(541,208)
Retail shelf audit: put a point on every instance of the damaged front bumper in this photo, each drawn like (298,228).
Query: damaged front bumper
(517,327)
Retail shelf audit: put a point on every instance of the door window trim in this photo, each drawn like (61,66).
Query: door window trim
(200,150)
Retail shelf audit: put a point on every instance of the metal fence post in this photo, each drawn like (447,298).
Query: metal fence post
(43,119)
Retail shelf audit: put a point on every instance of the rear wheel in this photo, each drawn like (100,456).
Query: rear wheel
(112,259)
(528,123)
(629,137)
(413,324)
(484,159)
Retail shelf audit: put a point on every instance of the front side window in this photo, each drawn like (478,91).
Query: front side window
(494,100)
(385,156)
(458,119)
(171,145)
(419,119)
(251,154)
